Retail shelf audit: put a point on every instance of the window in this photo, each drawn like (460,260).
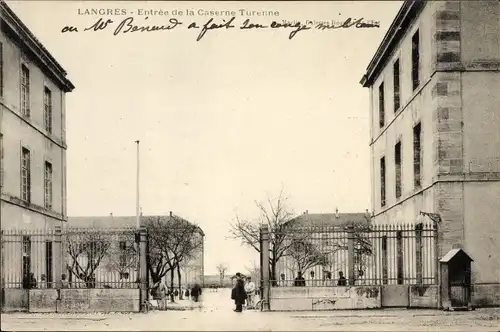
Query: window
(26,263)
(397,100)
(48,263)
(48,185)
(25,175)
(397,161)
(1,69)
(381,109)
(25,91)
(417,156)
(324,240)
(123,254)
(382,181)
(415,60)
(47,110)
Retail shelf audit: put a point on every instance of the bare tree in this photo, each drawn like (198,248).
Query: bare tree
(222,268)
(305,254)
(273,213)
(172,241)
(254,271)
(86,251)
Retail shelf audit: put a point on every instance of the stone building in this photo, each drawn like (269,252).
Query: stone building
(32,129)
(435,128)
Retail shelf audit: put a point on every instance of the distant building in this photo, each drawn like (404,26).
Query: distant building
(191,271)
(434,87)
(32,129)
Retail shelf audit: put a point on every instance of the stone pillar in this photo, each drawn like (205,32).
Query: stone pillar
(143,267)
(350,254)
(57,257)
(264,251)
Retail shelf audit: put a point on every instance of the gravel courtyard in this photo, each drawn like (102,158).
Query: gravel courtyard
(217,314)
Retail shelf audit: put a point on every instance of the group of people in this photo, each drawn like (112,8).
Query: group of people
(301,282)
(30,282)
(160,293)
(243,292)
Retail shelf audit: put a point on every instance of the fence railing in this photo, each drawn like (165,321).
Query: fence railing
(85,258)
(356,254)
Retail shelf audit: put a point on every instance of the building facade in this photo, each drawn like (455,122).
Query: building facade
(32,129)
(435,127)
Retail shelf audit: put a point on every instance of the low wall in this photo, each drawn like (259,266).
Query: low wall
(14,299)
(99,300)
(395,296)
(423,296)
(486,295)
(324,298)
(84,300)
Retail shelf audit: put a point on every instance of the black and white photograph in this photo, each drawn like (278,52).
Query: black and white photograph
(250,165)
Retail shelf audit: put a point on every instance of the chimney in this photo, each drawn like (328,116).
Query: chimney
(307,215)
(171,213)
(141,211)
(111,214)
(337,213)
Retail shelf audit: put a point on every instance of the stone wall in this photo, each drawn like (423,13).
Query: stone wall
(486,295)
(14,299)
(84,300)
(324,298)
(423,296)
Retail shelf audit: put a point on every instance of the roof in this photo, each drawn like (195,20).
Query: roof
(454,253)
(405,16)
(111,221)
(15,29)
(329,219)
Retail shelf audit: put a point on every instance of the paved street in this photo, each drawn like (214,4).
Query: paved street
(217,314)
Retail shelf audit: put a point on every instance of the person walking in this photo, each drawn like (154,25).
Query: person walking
(159,293)
(238,293)
(250,290)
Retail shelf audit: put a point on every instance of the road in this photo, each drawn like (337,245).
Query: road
(217,314)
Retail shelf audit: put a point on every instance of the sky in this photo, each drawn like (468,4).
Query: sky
(222,122)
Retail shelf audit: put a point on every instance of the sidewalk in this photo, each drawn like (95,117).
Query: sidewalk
(211,319)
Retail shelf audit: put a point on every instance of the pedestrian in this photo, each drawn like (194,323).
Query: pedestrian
(186,293)
(64,282)
(29,281)
(238,293)
(300,281)
(176,293)
(250,290)
(196,292)
(159,293)
(342,280)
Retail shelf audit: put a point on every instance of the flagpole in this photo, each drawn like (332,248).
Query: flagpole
(137,203)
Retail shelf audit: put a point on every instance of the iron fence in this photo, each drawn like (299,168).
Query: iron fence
(86,258)
(355,255)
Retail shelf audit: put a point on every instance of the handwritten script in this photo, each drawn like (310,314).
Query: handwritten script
(130,25)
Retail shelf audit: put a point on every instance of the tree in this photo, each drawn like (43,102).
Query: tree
(172,241)
(86,251)
(275,214)
(254,272)
(221,268)
(305,254)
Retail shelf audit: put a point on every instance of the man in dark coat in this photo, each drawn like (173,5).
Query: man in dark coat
(196,292)
(238,294)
